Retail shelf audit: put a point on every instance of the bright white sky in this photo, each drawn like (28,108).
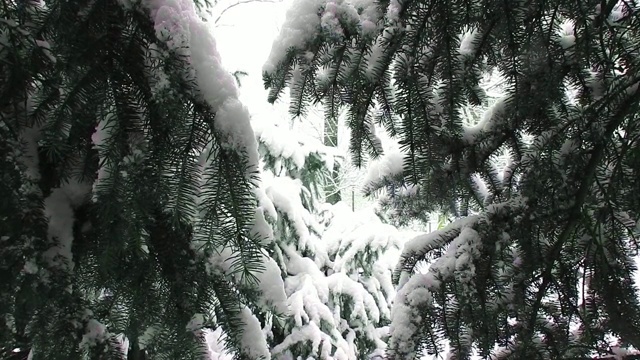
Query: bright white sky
(244,35)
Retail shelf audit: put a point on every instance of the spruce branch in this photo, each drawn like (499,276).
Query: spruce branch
(575,211)
(536,56)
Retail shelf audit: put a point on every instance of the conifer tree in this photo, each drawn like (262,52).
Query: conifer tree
(538,263)
(337,266)
(128,214)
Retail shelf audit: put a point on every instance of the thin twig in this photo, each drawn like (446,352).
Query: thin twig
(241,2)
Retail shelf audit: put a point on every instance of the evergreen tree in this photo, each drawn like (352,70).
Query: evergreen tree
(337,266)
(363,251)
(538,262)
(128,219)
(403,203)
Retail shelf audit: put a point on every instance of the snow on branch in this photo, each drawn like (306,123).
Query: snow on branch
(385,168)
(417,249)
(306,19)
(59,209)
(179,26)
(415,296)
(320,342)
(364,305)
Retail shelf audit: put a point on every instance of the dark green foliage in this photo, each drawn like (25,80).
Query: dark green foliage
(144,224)
(558,228)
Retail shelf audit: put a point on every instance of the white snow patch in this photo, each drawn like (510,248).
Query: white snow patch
(619,353)
(215,342)
(30,267)
(285,193)
(146,337)
(308,333)
(566,34)
(389,165)
(271,286)
(596,84)
(58,209)
(253,342)
(363,303)
(221,261)
(425,243)
(261,227)
(480,186)
(178,24)
(467,40)
(492,118)
(393,11)
(301,24)
(306,19)
(95,333)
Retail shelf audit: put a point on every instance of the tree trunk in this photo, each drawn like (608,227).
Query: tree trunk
(331,139)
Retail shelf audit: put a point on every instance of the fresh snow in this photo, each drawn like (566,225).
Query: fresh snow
(95,332)
(316,296)
(253,343)
(393,11)
(285,194)
(178,24)
(422,244)
(480,187)
(377,50)
(221,261)
(493,117)
(290,145)
(566,34)
(386,167)
(271,286)
(301,24)
(261,228)
(146,337)
(58,209)
(361,12)
(459,245)
(46,49)
(215,342)
(320,342)
(364,305)
(619,353)
(305,18)
(467,42)
(595,84)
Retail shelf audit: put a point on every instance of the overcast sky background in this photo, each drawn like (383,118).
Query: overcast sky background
(245,34)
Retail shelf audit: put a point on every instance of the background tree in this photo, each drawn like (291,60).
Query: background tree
(337,265)
(128,175)
(331,139)
(539,262)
